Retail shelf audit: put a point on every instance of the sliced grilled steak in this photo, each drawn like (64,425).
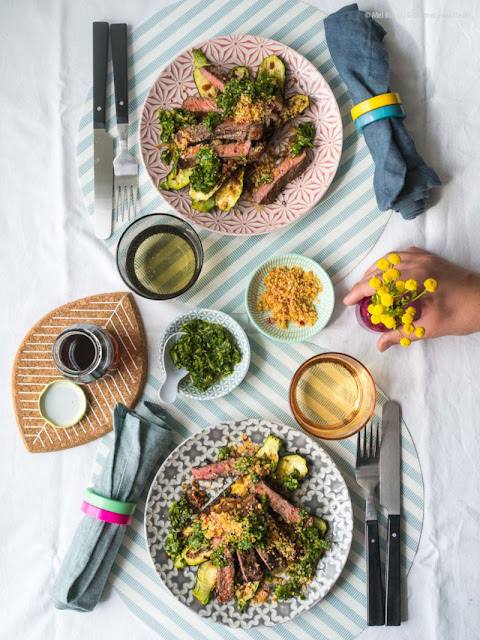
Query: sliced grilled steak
(233,149)
(227,130)
(200,105)
(271,558)
(220,469)
(287,511)
(250,567)
(225,579)
(215,75)
(286,171)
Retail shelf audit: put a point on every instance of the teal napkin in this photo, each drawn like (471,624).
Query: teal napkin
(402,180)
(138,444)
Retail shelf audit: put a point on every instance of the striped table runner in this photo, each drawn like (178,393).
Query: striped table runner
(338,233)
(264,392)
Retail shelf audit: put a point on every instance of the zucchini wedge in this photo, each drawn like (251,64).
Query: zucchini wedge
(199,58)
(199,196)
(270,449)
(179,561)
(203,205)
(204,87)
(293,107)
(192,557)
(321,525)
(239,72)
(288,464)
(205,583)
(273,66)
(230,191)
(180,180)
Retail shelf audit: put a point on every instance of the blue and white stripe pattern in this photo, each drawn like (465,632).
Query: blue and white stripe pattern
(264,393)
(337,233)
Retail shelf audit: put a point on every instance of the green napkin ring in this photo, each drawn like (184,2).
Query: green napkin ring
(115,506)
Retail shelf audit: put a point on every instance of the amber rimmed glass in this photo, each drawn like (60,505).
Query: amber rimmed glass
(332,396)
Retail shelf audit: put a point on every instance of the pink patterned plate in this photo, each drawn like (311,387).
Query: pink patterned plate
(175,83)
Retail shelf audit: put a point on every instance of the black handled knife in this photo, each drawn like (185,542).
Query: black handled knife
(390,499)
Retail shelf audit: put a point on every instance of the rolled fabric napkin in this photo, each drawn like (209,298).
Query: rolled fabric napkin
(138,443)
(402,179)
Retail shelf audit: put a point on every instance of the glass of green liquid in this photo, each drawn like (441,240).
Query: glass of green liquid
(159,256)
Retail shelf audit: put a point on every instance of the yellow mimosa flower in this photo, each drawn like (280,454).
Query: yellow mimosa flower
(400,286)
(430,285)
(370,308)
(375,283)
(409,328)
(420,332)
(394,258)
(411,310)
(393,274)
(375,319)
(411,285)
(378,309)
(405,342)
(389,322)
(383,264)
(387,299)
(407,318)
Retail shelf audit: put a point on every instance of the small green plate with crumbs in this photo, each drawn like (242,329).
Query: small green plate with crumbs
(294,333)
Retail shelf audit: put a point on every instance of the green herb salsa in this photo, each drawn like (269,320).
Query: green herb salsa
(207,171)
(207,350)
(304,138)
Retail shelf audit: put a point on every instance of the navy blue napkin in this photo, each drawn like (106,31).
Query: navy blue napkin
(138,444)
(402,179)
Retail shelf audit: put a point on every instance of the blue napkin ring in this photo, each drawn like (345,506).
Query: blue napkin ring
(390,111)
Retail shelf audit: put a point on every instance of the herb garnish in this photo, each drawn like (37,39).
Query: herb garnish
(264,88)
(304,138)
(181,513)
(172,121)
(218,557)
(265,178)
(207,171)
(207,350)
(211,120)
(223,453)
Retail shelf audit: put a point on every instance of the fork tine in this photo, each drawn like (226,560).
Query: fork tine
(377,439)
(134,201)
(358,450)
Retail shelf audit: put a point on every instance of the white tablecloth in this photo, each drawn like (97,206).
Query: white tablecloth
(49,256)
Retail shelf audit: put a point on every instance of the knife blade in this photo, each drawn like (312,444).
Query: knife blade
(102,142)
(390,498)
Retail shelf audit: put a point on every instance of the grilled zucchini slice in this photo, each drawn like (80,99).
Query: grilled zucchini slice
(245,592)
(203,205)
(293,107)
(193,557)
(199,58)
(239,72)
(230,191)
(321,525)
(178,181)
(270,449)
(288,464)
(273,66)
(204,87)
(199,196)
(205,583)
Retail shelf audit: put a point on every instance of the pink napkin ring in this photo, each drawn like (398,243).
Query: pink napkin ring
(107,516)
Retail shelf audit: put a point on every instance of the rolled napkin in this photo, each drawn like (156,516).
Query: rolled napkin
(402,179)
(138,443)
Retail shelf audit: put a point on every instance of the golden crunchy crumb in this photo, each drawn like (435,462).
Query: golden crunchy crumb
(289,295)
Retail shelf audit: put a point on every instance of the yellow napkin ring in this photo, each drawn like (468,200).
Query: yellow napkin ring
(374,103)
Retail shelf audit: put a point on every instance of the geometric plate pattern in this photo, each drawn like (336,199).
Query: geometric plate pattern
(176,82)
(323,493)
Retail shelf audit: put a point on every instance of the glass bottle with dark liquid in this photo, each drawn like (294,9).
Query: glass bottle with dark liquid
(85,352)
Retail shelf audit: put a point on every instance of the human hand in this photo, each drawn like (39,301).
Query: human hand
(454,309)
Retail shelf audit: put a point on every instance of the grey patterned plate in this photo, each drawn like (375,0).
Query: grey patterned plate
(323,493)
(225,385)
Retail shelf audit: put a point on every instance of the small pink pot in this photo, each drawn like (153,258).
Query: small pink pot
(364,318)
